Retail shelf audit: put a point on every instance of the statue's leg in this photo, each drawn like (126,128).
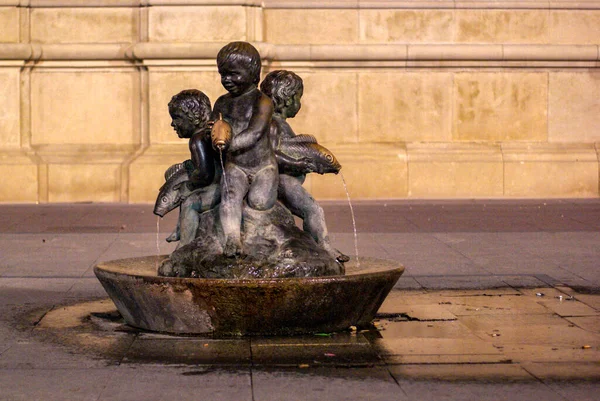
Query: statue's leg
(302,204)
(188,220)
(262,194)
(175,235)
(210,196)
(191,208)
(230,210)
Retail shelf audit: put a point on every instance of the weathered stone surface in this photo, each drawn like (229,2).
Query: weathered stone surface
(102,122)
(267,306)
(272,247)
(9,107)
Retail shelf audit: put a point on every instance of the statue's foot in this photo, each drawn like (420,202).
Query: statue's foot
(337,255)
(342,258)
(232,248)
(174,236)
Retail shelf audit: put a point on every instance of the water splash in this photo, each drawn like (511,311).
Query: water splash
(223,168)
(353,219)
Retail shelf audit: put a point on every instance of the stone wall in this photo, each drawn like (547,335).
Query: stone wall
(418,99)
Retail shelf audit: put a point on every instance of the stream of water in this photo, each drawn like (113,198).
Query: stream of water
(223,168)
(157,240)
(353,220)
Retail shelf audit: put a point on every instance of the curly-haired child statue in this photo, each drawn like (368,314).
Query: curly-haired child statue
(237,221)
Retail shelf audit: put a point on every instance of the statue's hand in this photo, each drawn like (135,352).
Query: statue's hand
(185,189)
(206,133)
(310,166)
(305,165)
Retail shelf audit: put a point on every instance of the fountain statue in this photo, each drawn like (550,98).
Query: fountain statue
(242,265)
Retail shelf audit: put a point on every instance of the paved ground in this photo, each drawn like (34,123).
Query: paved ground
(500,300)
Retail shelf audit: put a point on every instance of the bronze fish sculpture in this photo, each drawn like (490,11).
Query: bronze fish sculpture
(321,159)
(220,133)
(169,196)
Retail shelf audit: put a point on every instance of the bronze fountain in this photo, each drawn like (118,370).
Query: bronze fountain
(242,266)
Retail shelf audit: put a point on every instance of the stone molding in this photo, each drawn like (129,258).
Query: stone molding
(126,3)
(504,152)
(70,153)
(420,170)
(272,52)
(421,152)
(435,4)
(321,4)
(549,152)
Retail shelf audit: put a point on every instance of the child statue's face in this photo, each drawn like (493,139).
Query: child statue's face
(181,124)
(236,79)
(292,105)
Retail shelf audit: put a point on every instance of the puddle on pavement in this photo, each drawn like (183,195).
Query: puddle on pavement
(412,328)
(97,328)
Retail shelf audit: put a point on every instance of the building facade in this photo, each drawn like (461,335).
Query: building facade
(417,99)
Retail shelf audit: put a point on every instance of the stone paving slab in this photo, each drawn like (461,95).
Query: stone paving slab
(31,354)
(407,282)
(85,288)
(189,351)
(124,383)
(521,353)
(325,383)
(580,391)
(503,333)
(33,290)
(343,349)
(173,383)
(390,329)
(54,384)
(563,371)
(490,372)
(567,307)
(428,312)
(588,323)
(437,350)
(426,390)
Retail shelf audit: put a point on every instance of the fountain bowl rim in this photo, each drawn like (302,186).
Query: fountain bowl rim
(110,266)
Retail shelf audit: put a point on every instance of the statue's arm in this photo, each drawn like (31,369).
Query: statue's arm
(203,159)
(293,166)
(258,125)
(287,164)
(216,111)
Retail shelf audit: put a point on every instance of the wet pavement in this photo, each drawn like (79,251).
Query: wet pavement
(500,300)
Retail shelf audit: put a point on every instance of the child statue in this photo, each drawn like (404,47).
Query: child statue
(193,184)
(285,90)
(241,126)
(250,165)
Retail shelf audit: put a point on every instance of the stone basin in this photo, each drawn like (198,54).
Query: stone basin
(233,307)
